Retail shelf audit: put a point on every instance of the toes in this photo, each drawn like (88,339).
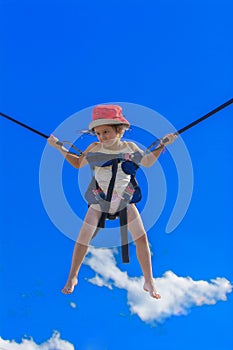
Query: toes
(156,295)
(153,293)
(67,290)
(69,287)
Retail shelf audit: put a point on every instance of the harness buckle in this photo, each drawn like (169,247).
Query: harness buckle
(128,193)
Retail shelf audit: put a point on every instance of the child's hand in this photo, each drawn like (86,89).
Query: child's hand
(52,140)
(168,139)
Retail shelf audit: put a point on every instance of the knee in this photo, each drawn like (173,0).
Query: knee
(81,246)
(84,237)
(141,239)
(143,236)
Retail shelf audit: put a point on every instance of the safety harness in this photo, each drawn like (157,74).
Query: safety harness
(132,194)
(95,194)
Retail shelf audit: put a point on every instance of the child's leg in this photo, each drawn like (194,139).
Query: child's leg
(142,248)
(81,246)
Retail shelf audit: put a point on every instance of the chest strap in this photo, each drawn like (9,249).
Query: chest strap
(103,159)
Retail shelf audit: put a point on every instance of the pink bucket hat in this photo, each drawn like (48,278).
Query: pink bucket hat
(107,115)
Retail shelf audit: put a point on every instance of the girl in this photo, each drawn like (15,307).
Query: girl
(109,124)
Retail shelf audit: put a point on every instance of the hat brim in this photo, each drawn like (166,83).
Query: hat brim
(106,121)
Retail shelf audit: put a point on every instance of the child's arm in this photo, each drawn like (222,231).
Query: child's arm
(150,158)
(75,160)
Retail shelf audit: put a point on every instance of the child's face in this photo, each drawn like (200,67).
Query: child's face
(105,133)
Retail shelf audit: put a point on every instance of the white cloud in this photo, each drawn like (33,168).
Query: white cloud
(73,305)
(179,294)
(54,343)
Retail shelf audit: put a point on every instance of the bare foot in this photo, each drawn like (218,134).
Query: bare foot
(69,287)
(150,287)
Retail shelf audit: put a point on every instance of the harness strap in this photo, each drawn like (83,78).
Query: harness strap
(122,213)
(124,234)
(105,204)
(104,159)
(129,166)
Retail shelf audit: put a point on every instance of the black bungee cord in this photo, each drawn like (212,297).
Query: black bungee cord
(158,141)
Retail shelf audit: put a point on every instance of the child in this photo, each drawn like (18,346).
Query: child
(109,124)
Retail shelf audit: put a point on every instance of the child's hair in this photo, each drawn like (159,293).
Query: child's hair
(119,128)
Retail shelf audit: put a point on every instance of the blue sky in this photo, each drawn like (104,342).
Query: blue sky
(62,57)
